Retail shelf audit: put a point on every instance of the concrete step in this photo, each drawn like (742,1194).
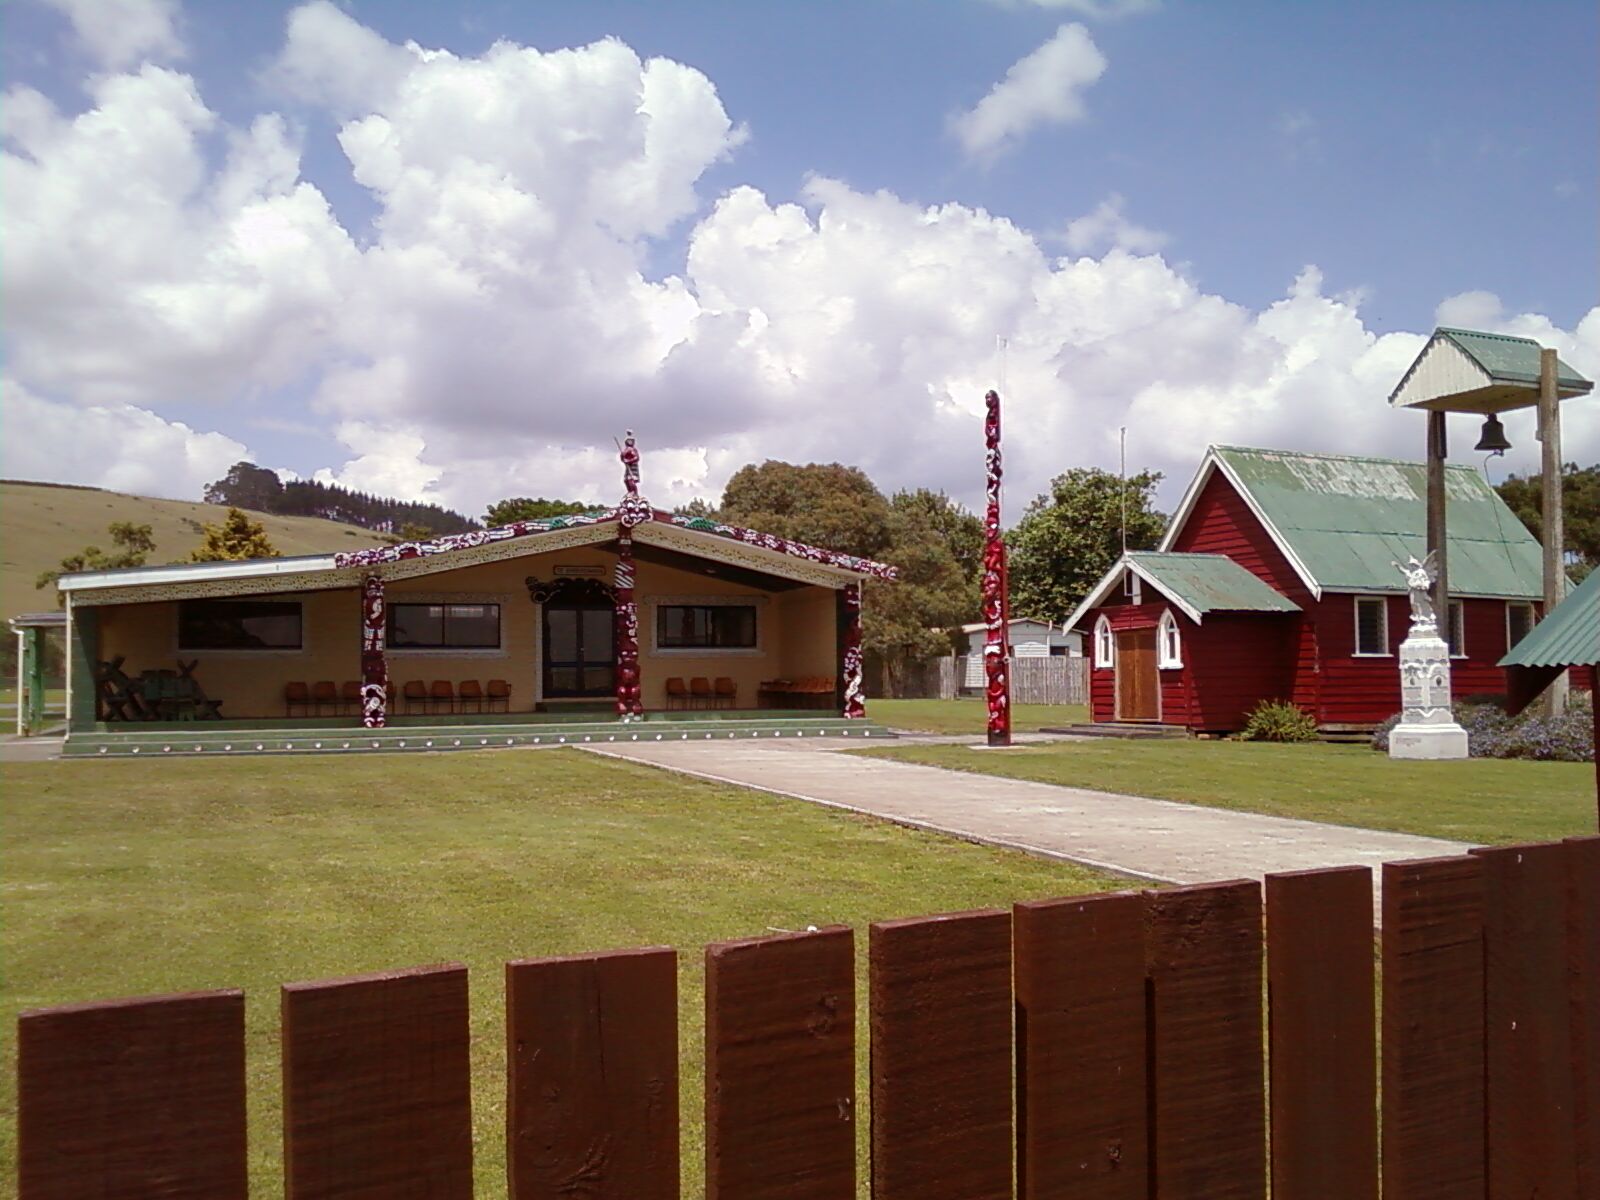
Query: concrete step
(1131,730)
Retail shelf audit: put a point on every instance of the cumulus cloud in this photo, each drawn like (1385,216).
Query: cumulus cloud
(497,322)
(118,33)
(1044,87)
(120,447)
(1108,228)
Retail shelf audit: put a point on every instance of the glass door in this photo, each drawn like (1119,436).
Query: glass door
(579,653)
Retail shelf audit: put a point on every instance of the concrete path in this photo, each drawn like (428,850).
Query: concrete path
(1151,839)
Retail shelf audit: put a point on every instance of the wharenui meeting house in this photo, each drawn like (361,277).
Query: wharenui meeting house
(626,623)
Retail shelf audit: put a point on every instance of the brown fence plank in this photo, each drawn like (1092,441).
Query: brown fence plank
(780,1068)
(1207,1063)
(1433,1032)
(1583,974)
(941,1057)
(132,1098)
(1323,1035)
(592,1076)
(1529,1102)
(376,1081)
(1081,1103)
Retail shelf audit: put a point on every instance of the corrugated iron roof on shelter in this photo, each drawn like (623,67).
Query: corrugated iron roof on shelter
(1568,637)
(1346,520)
(1467,370)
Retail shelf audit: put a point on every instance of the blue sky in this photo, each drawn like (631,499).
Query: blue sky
(1416,156)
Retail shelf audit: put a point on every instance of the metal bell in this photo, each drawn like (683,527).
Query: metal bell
(1493,438)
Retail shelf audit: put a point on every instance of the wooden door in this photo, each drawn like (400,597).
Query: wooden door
(1138,684)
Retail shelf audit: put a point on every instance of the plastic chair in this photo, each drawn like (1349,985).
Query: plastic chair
(443,692)
(325,692)
(677,692)
(350,696)
(414,693)
(726,691)
(499,693)
(700,693)
(470,692)
(293,694)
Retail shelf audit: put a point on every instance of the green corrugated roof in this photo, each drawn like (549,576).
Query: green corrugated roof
(1508,359)
(1211,583)
(1568,637)
(1349,519)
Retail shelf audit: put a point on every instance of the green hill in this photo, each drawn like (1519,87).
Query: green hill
(42,523)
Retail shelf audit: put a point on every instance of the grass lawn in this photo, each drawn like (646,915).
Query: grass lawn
(1477,800)
(130,878)
(969,716)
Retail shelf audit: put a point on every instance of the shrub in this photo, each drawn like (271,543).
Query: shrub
(1279,721)
(1493,734)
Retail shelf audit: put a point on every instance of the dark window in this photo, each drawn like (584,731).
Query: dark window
(1372,625)
(706,626)
(1458,627)
(238,625)
(1519,623)
(444,626)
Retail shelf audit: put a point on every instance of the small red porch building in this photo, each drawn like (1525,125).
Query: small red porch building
(1275,580)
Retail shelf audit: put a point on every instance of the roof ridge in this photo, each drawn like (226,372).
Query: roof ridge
(1484,333)
(1371,458)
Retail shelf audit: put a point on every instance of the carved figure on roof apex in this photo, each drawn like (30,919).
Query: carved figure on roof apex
(630,464)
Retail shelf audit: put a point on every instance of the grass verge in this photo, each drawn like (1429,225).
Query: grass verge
(1492,801)
(969,716)
(133,878)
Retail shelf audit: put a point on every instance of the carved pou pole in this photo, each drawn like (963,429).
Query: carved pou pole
(996,600)
(634,511)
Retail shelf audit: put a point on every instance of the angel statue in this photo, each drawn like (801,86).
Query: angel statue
(1419,581)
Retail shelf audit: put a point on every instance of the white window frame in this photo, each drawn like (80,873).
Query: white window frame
(1451,608)
(1355,612)
(1533,619)
(1169,657)
(1105,645)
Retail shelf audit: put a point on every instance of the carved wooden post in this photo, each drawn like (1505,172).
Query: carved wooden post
(374,666)
(855,703)
(996,601)
(634,510)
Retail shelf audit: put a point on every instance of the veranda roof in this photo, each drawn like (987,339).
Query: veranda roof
(1197,583)
(1342,521)
(1568,637)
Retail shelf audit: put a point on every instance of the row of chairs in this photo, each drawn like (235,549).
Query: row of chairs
(701,692)
(814,691)
(326,697)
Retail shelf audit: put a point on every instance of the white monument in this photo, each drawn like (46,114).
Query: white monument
(1427,727)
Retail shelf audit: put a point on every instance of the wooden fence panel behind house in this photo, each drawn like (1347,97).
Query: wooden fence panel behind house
(1132,1055)
(592,1076)
(133,1098)
(1583,974)
(1082,1107)
(1529,1105)
(376,1086)
(780,1068)
(1207,1081)
(1433,1029)
(941,1057)
(1320,983)
(1053,679)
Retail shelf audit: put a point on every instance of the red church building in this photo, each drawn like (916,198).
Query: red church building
(1275,580)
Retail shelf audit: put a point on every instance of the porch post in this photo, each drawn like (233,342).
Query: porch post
(855,705)
(629,705)
(83,656)
(374,665)
(22,681)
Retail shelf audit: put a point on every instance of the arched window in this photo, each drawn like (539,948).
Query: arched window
(1169,645)
(1105,648)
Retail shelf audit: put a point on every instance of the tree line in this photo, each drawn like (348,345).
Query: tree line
(255,488)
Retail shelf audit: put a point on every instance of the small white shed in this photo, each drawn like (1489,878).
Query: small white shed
(1029,639)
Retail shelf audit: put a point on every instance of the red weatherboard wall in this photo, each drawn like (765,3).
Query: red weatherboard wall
(1236,660)
(1221,523)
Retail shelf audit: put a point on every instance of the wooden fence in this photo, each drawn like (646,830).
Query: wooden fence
(1056,679)
(1099,1048)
